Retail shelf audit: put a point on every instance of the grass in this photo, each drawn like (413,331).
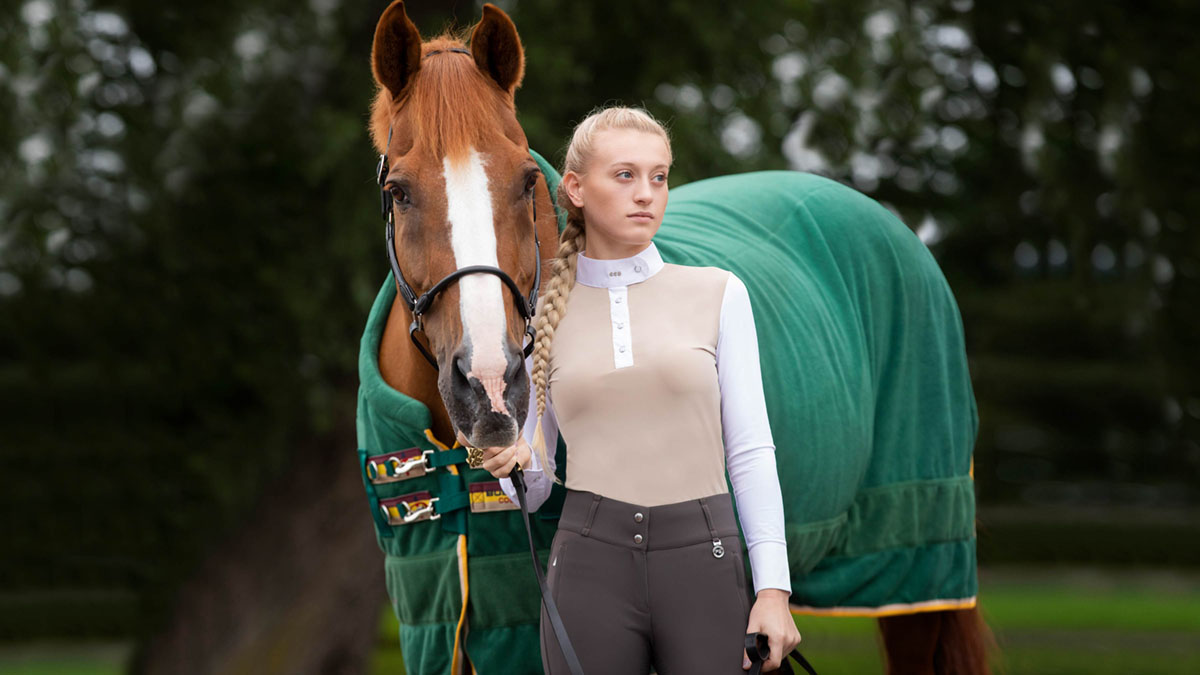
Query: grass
(1046,622)
(55,658)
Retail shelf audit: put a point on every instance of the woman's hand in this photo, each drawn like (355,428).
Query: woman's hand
(771,617)
(500,461)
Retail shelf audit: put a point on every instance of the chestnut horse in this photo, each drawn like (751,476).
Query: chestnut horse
(461,178)
(460,174)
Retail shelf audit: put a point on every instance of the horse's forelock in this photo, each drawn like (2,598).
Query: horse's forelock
(450,104)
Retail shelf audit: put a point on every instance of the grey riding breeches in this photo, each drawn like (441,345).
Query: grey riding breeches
(660,587)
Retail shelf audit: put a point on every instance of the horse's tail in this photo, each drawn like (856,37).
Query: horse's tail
(948,642)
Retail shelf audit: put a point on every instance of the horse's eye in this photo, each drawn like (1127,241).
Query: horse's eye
(531,182)
(399,195)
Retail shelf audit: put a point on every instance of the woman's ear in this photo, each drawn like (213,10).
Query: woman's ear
(574,188)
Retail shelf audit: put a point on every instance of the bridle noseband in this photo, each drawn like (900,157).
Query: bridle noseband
(419,305)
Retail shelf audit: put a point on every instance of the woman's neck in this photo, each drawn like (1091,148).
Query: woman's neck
(610,251)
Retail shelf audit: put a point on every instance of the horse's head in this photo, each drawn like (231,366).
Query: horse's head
(463,184)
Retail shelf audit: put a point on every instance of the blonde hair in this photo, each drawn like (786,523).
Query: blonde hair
(572,240)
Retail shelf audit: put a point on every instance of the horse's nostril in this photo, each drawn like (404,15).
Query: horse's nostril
(515,366)
(462,367)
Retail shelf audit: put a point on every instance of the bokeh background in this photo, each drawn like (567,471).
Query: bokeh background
(189,244)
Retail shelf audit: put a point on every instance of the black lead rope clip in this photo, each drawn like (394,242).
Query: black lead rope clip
(758,649)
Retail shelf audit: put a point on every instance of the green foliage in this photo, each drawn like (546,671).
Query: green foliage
(189,253)
(1027,144)
(189,244)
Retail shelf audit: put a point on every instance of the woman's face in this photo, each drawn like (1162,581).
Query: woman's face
(622,191)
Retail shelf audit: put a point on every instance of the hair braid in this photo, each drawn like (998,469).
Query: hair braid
(572,240)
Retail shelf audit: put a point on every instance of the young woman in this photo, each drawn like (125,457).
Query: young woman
(651,372)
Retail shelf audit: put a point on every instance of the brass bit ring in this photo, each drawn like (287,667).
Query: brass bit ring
(474,457)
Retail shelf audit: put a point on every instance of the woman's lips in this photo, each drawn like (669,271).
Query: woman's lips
(641,217)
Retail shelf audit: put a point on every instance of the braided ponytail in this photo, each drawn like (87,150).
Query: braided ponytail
(562,280)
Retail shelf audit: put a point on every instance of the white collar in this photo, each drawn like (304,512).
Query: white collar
(618,272)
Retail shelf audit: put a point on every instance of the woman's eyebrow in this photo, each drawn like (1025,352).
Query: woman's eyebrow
(625,163)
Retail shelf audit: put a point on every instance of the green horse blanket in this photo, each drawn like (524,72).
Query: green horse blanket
(870,403)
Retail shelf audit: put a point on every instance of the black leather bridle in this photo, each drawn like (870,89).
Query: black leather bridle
(419,305)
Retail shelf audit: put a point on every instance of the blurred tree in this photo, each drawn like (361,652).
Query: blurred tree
(1044,153)
(189,247)
(188,257)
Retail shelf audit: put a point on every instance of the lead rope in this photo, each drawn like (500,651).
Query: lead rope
(759,651)
(560,631)
(757,647)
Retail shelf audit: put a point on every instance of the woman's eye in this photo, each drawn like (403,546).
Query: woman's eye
(625,174)
(662,178)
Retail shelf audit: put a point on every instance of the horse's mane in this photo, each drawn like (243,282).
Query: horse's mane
(443,101)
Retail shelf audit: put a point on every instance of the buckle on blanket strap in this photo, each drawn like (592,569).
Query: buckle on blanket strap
(418,506)
(397,466)
(409,463)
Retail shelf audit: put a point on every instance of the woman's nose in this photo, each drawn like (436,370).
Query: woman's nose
(643,195)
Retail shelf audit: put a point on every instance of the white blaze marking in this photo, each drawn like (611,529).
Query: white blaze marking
(481,304)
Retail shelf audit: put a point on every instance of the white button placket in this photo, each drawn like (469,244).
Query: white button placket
(622,334)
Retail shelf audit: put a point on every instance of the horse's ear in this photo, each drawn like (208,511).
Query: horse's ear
(497,49)
(396,53)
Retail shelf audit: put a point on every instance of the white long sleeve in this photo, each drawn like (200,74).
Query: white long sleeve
(749,447)
(537,482)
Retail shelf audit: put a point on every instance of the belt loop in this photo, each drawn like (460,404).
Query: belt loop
(712,530)
(587,524)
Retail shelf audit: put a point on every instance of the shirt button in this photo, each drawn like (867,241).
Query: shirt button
(620,324)
(617,300)
(637,268)
(621,349)
(637,517)
(637,538)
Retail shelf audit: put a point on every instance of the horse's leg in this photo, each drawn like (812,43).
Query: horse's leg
(963,643)
(910,641)
(951,642)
